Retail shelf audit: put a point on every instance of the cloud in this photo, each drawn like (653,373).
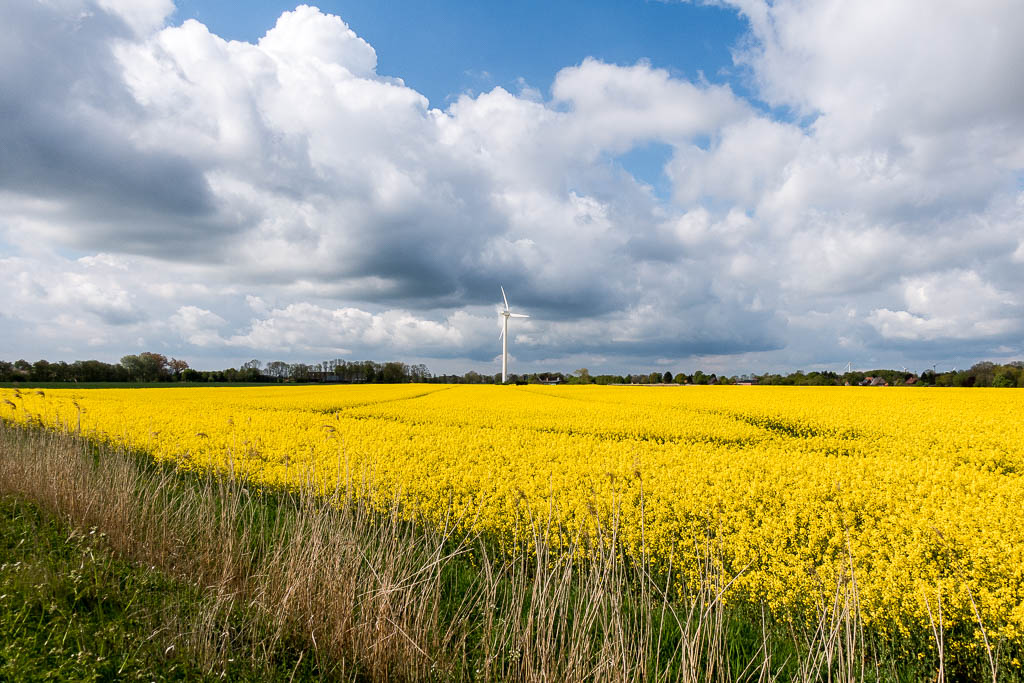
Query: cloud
(748,160)
(91,289)
(306,33)
(198,326)
(901,102)
(873,68)
(66,112)
(309,328)
(615,107)
(142,16)
(954,305)
(221,197)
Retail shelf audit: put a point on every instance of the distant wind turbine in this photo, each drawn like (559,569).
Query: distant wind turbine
(849,366)
(506,314)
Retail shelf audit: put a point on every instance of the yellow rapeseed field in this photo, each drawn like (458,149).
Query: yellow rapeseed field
(909,500)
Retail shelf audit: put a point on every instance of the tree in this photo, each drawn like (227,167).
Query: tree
(393,372)
(680,379)
(299,372)
(700,378)
(133,365)
(41,371)
(60,371)
(177,367)
(249,375)
(1003,381)
(984,373)
(419,373)
(146,367)
(371,371)
(964,378)
(1006,376)
(582,375)
(155,366)
(278,369)
(667,378)
(190,375)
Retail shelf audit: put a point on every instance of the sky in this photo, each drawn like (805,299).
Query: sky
(735,186)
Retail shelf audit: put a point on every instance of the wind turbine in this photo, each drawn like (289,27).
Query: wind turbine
(849,366)
(506,314)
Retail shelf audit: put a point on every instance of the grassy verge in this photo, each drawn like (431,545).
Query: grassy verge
(197,576)
(70,609)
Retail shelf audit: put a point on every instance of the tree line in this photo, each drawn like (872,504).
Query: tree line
(155,367)
(983,374)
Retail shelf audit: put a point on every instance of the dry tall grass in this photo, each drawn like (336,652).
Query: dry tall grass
(372,596)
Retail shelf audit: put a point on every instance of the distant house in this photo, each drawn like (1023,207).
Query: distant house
(874,382)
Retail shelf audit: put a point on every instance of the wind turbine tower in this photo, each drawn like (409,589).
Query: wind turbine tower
(505,315)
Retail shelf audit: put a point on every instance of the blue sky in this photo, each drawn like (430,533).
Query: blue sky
(743,186)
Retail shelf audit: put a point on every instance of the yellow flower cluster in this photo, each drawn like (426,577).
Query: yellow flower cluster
(910,499)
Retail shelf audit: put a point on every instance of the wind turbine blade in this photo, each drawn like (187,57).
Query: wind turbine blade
(504,297)
(501,333)
(517,315)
